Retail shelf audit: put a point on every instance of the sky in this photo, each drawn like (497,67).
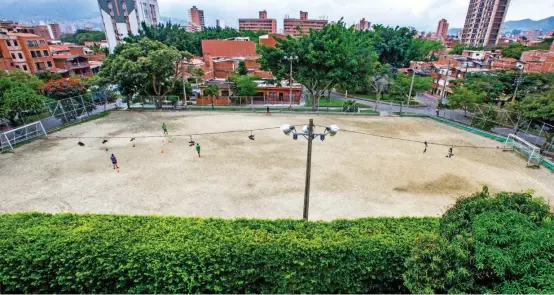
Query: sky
(422,14)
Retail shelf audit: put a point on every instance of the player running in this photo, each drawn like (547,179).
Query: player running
(198,149)
(164,127)
(114,162)
(425,150)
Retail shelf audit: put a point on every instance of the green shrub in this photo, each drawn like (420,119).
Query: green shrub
(485,244)
(66,253)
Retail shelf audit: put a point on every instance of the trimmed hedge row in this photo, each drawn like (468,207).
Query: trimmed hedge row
(68,253)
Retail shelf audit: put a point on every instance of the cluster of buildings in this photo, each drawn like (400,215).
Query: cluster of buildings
(453,67)
(30,49)
(220,61)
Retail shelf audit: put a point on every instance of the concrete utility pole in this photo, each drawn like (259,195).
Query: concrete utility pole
(518,82)
(411,88)
(308,169)
(291,59)
(309,134)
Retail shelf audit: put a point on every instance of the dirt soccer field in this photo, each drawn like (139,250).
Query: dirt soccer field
(353,175)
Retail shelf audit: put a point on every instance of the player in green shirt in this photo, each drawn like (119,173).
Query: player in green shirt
(164,127)
(198,149)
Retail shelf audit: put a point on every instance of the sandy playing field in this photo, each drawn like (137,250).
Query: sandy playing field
(353,175)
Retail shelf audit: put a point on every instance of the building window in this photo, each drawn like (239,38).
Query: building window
(49,63)
(39,54)
(33,54)
(15,43)
(42,42)
(24,67)
(45,52)
(13,56)
(35,43)
(20,55)
(17,66)
(8,42)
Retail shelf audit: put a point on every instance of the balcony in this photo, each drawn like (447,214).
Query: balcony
(76,65)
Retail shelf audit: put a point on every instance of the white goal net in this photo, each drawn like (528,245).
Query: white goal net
(531,152)
(11,138)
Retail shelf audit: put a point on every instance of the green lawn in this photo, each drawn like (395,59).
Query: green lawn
(325,102)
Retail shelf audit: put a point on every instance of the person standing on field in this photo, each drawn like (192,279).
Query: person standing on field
(198,149)
(164,127)
(267,111)
(114,161)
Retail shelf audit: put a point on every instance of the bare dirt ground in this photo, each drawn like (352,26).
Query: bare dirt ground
(353,175)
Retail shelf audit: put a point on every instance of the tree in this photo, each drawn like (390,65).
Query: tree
(63,88)
(245,86)
(539,106)
(380,79)
(211,90)
(16,99)
(464,98)
(401,84)
(325,58)
(46,76)
(20,77)
(81,36)
(391,44)
(146,66)
(486,244)
(514,50)
(423,50)
(241,69)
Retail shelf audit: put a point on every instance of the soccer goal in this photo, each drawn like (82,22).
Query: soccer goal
(528,150)
(11,138)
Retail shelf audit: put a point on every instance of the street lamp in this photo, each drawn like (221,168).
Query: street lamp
(291,58)
(309,134)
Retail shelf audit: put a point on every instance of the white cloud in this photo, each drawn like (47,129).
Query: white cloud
(422,14)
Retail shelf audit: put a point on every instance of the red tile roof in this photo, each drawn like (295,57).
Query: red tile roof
(228,48)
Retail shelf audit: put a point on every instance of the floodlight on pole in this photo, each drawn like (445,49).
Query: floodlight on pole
(309,134)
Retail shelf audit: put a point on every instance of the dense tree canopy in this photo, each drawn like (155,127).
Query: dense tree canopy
(176,36)
(81,36)
(64,88)
(19,94)
(145,66)
(325,58)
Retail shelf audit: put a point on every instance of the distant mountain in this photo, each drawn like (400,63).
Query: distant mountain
(165,19)
(546,25)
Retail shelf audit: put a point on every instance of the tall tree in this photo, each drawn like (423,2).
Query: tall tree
(241,69)
(464,98)
(64,88)
(392,44)
(147,66)
(380,79)
(325,58)
(211,90)
(401,84)
(16,99)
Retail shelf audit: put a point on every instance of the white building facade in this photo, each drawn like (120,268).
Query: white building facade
(124,17)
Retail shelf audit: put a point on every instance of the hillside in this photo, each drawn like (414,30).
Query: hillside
(546,24)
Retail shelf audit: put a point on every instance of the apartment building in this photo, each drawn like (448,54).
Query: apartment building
(28,52)
(55,31)
(259,24)
(538,60)
(483,24)
(442,29)
(123,17)
(363,25)
(43,31)
(72,62)
(305,24)
(196,20)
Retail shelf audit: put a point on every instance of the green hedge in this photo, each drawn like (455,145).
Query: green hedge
(67,253)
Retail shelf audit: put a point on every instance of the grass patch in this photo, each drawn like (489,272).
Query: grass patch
(325,101)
